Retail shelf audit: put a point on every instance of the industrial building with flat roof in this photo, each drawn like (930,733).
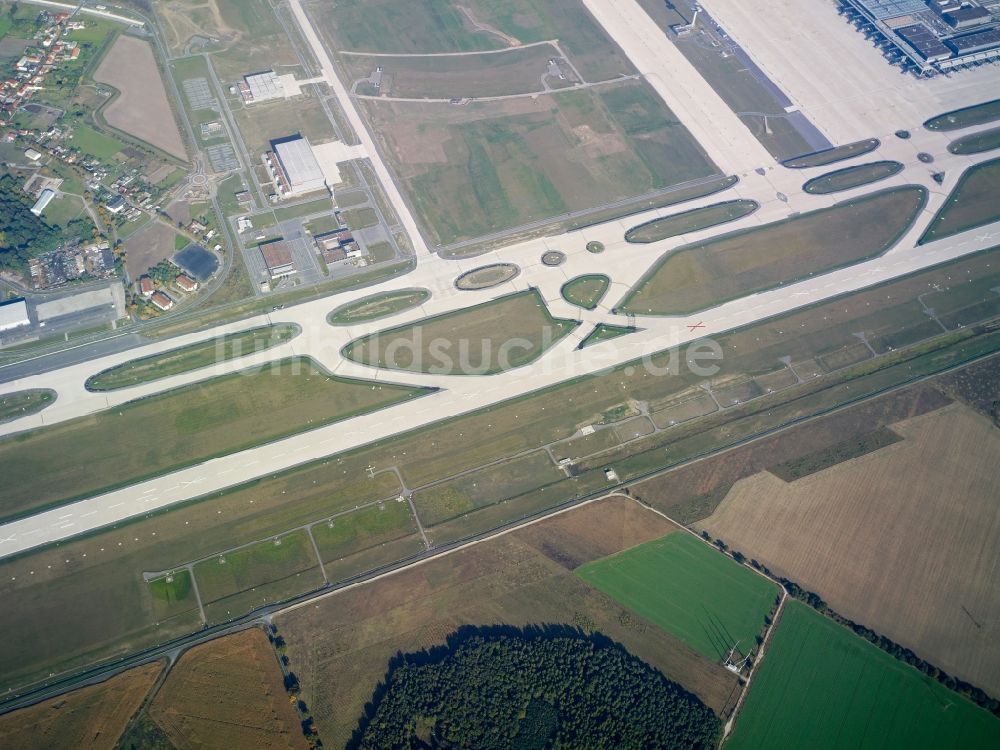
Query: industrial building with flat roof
(294,166)
(14,315)
(277,257)
(261,87)
(930,35)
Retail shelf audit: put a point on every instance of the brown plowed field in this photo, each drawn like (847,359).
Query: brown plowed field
(228,693)
(93,717)
(142,109)
(340,645)
(905,540)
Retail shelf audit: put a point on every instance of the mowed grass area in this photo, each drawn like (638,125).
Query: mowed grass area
(498,335)
(977,114)
(711,272)
(339,648)
(23,403)
(272,570)
(691,221)
(487,276)
(604,332)
(424,26)
(690,590)
(152,435)
(976,143)
(832,155)
(973,203)
(517,71)
(193,357)
(492,166)
(96,144)
(586,291)
(852,177)
(821,686)
(378,306)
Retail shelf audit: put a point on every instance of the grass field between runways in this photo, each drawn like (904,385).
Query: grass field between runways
(690,590)
(972,204)
(821,686)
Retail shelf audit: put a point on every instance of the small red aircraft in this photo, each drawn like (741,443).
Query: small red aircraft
(693,326)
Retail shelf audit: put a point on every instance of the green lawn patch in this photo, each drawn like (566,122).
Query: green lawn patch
(499,335)
(832,155)
(320,205)
(152,435)
(365,528)
(711,272)
(172,588)
(22,403)
(360,218)
(98,145)
(973,203)
(487,276)
(821,686)
(378,306)
(691,221)
(852,177)
(966,117)
(193,357)
(690,590)
(976,143)
(604,332)
(586,291)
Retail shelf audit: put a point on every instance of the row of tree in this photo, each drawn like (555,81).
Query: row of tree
(503,688)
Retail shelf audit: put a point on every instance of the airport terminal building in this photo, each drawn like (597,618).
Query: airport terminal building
(932,36)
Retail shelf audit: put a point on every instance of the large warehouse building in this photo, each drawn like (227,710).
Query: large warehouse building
(929,35)
(294,167)
(13,315)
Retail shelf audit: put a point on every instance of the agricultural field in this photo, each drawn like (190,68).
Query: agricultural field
(93,717)
(217,416)
(852,177)
(690,590)
(378,306)
(832,155)
(498,335)
(586,291)
(502,73)
(531,159)
(22,403)
(339,646)
(717,270)
(913,561)
(976,143)
(822,686)
(142,109)
(971,204)
(978,114)
(691,221)
(427,26)
(193,357)
(228,693)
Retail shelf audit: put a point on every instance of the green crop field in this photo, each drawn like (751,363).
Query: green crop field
(832,155)
(716,270)
(690,590)
(691,221)
(498,335)
(852,177)
(978,114)
(152,435)
(193,357)
(378,306)
(586,291)
(821,686)
(976,143)
(971,204)
(22,403)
